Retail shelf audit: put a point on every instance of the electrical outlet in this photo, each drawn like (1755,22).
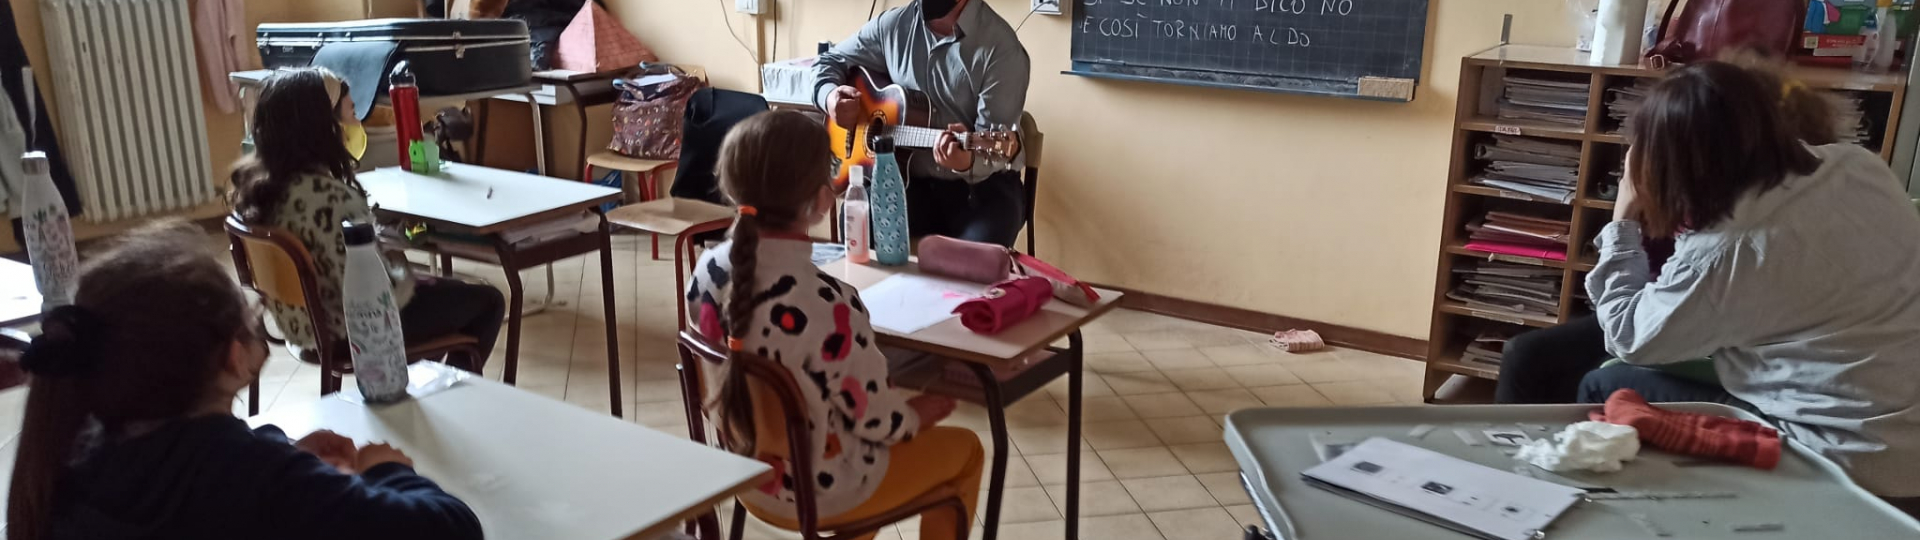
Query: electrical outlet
(1046,7)
(750,7)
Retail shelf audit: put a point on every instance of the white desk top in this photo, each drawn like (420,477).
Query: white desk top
(19,297)
(532,467)
(951,339)
(459,196)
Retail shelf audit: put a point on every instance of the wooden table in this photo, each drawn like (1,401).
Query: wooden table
(532,467)
(19,296)
(482,203)
(1026,346)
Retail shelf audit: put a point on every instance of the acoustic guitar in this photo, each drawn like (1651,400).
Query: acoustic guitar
(889,109)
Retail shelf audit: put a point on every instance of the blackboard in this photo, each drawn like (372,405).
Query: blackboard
(1354,48)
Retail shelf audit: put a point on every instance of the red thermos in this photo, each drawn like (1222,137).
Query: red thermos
(406,110)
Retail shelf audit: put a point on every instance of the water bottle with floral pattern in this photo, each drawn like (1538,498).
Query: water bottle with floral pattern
(891,245)
(48,233)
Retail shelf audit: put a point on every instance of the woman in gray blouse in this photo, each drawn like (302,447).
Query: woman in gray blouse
(1796,267)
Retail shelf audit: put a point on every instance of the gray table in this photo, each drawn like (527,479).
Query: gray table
(1806,493)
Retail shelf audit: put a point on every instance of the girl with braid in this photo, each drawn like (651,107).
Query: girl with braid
(874,447)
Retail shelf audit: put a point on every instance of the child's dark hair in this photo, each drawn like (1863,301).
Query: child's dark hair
(294,132)
(149,330)
(772,165)
(1708,135)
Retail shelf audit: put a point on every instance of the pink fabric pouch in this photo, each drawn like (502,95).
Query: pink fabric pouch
(1005,304)
(978,262)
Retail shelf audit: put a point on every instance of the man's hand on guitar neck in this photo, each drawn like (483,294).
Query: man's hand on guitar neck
(949,152)
(843,106)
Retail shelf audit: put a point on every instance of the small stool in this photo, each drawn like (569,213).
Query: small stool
(648,171)
(682,218)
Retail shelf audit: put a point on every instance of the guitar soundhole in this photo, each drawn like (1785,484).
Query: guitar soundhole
(874,128)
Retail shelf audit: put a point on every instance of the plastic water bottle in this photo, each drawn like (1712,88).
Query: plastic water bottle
(1886,39)
(49,235)
(856,220)
(373,319)
(891,245)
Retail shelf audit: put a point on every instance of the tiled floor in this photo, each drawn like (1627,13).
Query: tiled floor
(1153,465)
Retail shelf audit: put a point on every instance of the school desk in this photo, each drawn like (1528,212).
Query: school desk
(1026,347)
(533,467)
(1806,495)
(478,205)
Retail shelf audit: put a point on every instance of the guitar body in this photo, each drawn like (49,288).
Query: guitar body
(883,106)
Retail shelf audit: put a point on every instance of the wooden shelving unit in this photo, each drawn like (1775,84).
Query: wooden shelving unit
(1602,147)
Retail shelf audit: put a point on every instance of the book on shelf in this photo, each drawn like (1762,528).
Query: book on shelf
(1508,288)
(1542,97)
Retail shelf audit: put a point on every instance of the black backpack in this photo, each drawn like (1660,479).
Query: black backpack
(711,113)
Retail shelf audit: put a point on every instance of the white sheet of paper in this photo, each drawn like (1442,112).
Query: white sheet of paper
(1498,503)
(906,303)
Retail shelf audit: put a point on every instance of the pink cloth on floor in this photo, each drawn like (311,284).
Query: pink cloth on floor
(1005,304)
(1298,341)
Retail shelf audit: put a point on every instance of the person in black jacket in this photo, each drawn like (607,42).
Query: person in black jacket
(129,430)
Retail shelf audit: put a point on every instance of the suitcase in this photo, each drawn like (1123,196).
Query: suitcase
(447,56)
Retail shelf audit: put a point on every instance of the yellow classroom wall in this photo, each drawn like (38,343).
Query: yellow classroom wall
(1317,208)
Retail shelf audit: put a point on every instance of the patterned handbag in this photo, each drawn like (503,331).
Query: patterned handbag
(648,116)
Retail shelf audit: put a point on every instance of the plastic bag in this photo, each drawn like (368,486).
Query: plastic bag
(1582,14)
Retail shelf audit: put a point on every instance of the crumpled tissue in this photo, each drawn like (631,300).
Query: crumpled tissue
(1586,446)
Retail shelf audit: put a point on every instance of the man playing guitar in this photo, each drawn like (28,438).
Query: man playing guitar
(969,63)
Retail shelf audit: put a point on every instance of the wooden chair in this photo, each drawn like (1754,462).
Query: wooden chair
(647,171)
(1031,142)
(776,395)
(681,218)
(275,264)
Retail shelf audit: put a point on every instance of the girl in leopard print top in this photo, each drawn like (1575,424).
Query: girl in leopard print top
(873,446)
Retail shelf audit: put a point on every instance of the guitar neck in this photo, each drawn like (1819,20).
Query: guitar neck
(918,137)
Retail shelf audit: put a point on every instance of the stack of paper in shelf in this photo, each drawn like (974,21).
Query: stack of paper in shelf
(1541,97)
(1850,119)
(1508,288)
(1623,101)
(1515,234)
(1536,167)
(1486,349)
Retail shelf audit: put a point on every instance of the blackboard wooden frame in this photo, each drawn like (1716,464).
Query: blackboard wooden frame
(1279,85)
(1228,63)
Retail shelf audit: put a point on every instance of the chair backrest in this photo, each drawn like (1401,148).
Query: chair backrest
(1032,146)
(1032,141)
(274,263)
(779,411)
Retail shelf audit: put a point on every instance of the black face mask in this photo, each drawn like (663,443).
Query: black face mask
(934,9)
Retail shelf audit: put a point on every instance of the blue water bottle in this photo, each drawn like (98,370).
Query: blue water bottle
(889,202)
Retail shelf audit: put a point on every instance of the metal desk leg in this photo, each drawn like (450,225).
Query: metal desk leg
(539,136)
(516,298)
(579,108)
(997,479)
(548,302)
(613,320)
(1074,352)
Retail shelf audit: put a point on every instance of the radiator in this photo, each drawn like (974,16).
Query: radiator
(131,122)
